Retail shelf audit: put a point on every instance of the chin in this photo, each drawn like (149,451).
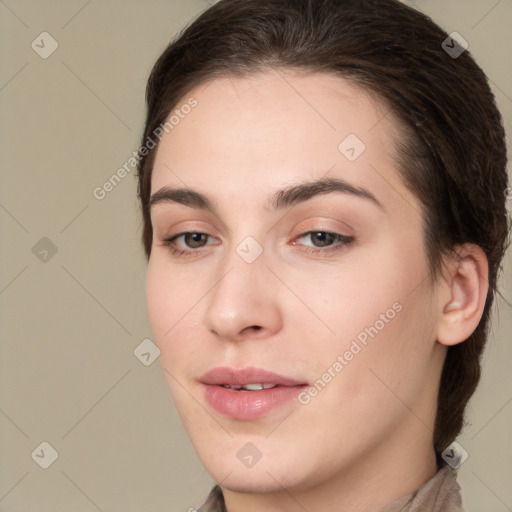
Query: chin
(267,475)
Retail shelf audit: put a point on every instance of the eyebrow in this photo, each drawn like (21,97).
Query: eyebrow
(284,198)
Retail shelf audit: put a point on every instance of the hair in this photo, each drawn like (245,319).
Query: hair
(452,155)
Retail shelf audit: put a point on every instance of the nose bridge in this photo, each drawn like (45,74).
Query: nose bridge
(243,266)
(240,297)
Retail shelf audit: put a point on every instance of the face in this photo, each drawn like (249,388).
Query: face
(287,252)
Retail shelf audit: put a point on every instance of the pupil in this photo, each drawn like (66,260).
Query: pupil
(324,238)
(194,239)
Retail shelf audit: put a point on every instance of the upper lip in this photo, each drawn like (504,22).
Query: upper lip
(224,376)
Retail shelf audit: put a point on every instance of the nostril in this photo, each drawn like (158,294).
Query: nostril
(253,328)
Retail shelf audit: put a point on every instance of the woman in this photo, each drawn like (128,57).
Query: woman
(322,185)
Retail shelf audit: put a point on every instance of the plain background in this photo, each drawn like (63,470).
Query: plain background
(70,324)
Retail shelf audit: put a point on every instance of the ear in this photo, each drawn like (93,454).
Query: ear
(462,294)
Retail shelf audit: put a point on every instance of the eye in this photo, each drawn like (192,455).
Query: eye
(323,242)
(321,238)
(192,240)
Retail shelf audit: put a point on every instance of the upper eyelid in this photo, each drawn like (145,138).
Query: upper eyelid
(317,226)
(275,225)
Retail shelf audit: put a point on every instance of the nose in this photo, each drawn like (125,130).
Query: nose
(242,303)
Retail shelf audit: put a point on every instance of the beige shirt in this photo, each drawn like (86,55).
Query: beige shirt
(440,494)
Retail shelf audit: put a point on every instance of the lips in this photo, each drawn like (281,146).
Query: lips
(233,377)
(248,393)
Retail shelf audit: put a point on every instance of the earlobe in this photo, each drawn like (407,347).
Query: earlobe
(463,294)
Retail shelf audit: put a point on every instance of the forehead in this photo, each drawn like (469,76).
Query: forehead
(273,128)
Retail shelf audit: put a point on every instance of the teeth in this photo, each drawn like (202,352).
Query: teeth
(251,387)
(258,387)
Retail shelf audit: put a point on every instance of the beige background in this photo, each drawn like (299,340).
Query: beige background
(70,325)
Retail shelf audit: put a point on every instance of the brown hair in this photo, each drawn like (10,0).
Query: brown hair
(453,157)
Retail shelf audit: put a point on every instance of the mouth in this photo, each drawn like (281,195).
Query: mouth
(248,393)
(250,387)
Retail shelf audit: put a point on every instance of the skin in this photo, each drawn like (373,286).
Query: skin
(366,438)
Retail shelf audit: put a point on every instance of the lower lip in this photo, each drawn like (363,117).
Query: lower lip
(248,405)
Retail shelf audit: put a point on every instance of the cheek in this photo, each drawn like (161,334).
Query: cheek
(377,313)
(348,298)
(170,293)
(173,300)
(168,299)
(159,300)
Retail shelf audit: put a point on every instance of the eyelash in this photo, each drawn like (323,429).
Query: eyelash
(342,241)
